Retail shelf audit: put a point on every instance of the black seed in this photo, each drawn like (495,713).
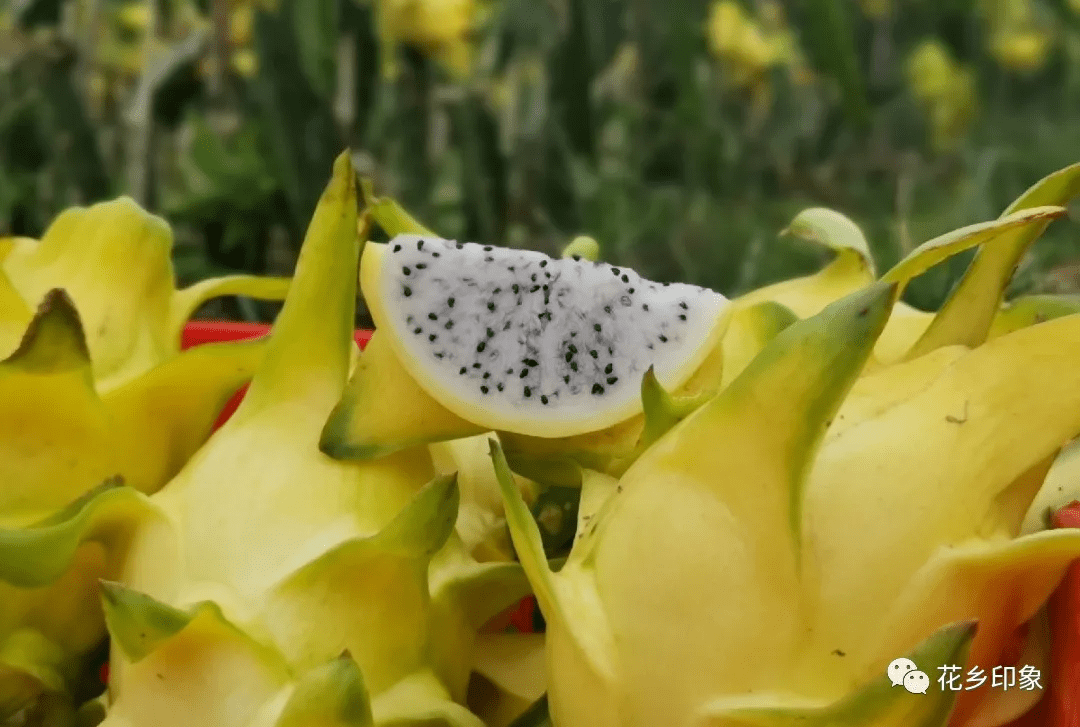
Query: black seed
(682,304)
(432,337)
(450,302)
(511,268)
(528,392)
(607,308)
(573,365)
(626,278)
(491,305)
(487,375)
(543,400)
(612,379)
(568,357)
(418,330)
(597,389)
(596,327)
(440,355)
(462,370)
(489,259)
(499,387)
(397,248)
(480,347)
(497,291)
(534,288)
(607,369)
(573,348)
(515,287)
(459,246)
(476,365)
(434,254)
(644,306)
(544,288)
(575,257)
(663,339)
(509,371)
(407,291)
(524,373)
(610,352)
(487,248)
(649,346)
(566,379)
(615,272)
(449,325)
(420,245)
(594,354)
(484,389)
(682,316)
(533,277)
(506,327)
(421,266)
(573,334)
(490,333)
(547,275)
(432,317)
(530,362)
(543,263)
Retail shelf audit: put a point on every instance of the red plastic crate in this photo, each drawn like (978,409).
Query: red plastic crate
(523,617)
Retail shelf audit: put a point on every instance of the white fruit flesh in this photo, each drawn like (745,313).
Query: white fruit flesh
(516,341)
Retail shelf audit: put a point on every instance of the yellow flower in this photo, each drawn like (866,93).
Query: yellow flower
(738,40)
(1019,39)
(440,28)
(1022,50)
(945,91)
(749,47)
(876,9)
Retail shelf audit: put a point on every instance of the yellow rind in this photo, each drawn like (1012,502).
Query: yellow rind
(370,284)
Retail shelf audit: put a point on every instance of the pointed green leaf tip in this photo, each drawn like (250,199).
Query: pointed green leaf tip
(39,555)
(424,525)
(138,623)
(54,341)
(524,531)
(331,695)
(389,215)
(308,355)
(808,368)
(967,315)
(582,248)
(833,230)
(879,702)
(662,410)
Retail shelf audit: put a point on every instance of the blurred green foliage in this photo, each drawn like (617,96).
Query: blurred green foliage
(683,135)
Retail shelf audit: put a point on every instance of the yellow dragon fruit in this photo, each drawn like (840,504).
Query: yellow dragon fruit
(272,572)
(354,431)
(113,259)
(823,544)
(67,425)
